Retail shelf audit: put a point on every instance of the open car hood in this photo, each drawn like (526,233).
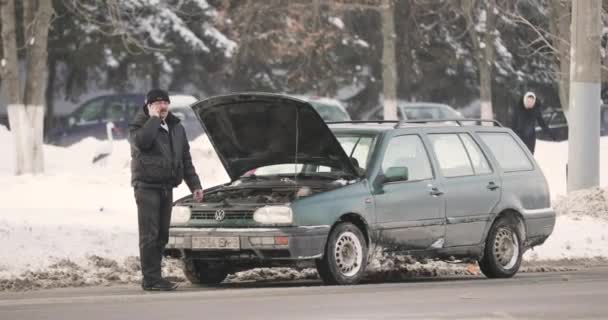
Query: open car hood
(253,130)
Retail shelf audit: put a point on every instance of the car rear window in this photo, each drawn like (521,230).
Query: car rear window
(508,153)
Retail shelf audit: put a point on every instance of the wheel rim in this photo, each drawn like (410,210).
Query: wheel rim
(506,248)
(349,254)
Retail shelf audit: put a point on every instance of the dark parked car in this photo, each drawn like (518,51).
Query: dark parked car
(91,118)
(556,121)
(303,193)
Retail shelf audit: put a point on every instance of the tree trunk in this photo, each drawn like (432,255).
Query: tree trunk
(389,65)
(10,79)
(486,61)
(559,25)
(49,118)
(36,32)
(485,88)
(484,50)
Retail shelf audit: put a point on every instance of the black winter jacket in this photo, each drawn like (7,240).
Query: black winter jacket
(160,159)
(524,121)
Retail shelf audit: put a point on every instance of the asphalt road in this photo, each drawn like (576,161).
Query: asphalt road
(566,295)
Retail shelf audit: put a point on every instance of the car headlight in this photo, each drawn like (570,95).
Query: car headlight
(273,215)
(180,215)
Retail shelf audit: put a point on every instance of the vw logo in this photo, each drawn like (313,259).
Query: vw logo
(220,215)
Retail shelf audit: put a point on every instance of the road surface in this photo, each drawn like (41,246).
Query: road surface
(566,295)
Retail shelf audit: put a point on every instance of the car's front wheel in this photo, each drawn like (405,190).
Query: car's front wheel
(345,256)
(201,272)
(503,251)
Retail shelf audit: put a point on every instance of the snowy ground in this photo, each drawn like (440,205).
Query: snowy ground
(77,223)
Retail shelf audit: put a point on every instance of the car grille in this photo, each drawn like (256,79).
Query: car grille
(228,215)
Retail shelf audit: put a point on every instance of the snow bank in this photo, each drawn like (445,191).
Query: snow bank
(581,229)
(77,208)
(77,223)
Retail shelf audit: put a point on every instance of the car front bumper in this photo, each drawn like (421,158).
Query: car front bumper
(282,243)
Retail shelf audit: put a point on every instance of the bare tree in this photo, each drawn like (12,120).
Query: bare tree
(552,38)
(9,69)
(386,9)
(26,113)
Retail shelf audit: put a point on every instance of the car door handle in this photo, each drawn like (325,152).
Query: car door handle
(492,186)
(435,192)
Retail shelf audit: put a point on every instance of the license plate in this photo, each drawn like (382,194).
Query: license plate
(216,243)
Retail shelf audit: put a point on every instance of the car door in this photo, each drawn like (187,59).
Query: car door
(410,212)
(471,186)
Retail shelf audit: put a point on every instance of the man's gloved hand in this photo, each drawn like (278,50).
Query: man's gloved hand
(198,195)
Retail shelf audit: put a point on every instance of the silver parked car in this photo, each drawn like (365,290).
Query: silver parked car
(416,111)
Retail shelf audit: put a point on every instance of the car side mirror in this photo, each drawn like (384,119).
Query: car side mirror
(393,174)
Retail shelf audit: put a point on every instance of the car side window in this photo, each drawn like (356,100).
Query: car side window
(133,105)
(115,111)
(91,112)
(451,155)
(408,151)
(478,159)
(507,151)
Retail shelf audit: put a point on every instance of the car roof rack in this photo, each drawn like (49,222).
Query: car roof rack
(362,121)
(457,120)
(398,123)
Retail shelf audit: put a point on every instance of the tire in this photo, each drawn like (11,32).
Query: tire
(203,273)
(345,257)
(503,250)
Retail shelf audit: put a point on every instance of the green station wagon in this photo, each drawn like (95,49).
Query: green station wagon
(308,193)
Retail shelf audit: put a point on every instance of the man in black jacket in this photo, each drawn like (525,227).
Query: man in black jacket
(160,160)
(527,112)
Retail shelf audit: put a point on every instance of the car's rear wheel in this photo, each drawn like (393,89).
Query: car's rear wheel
(345,257)
(204,273)
(503,251)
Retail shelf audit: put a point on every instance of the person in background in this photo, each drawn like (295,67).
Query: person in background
(525,116)
(160,160)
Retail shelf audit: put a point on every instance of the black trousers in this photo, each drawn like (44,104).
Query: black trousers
(530,142)
(154,216)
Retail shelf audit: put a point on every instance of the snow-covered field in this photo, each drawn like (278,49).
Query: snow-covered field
(77,223)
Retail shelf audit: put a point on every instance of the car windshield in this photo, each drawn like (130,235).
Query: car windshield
(355,146)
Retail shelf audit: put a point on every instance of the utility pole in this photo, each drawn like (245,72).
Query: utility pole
(584,120)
